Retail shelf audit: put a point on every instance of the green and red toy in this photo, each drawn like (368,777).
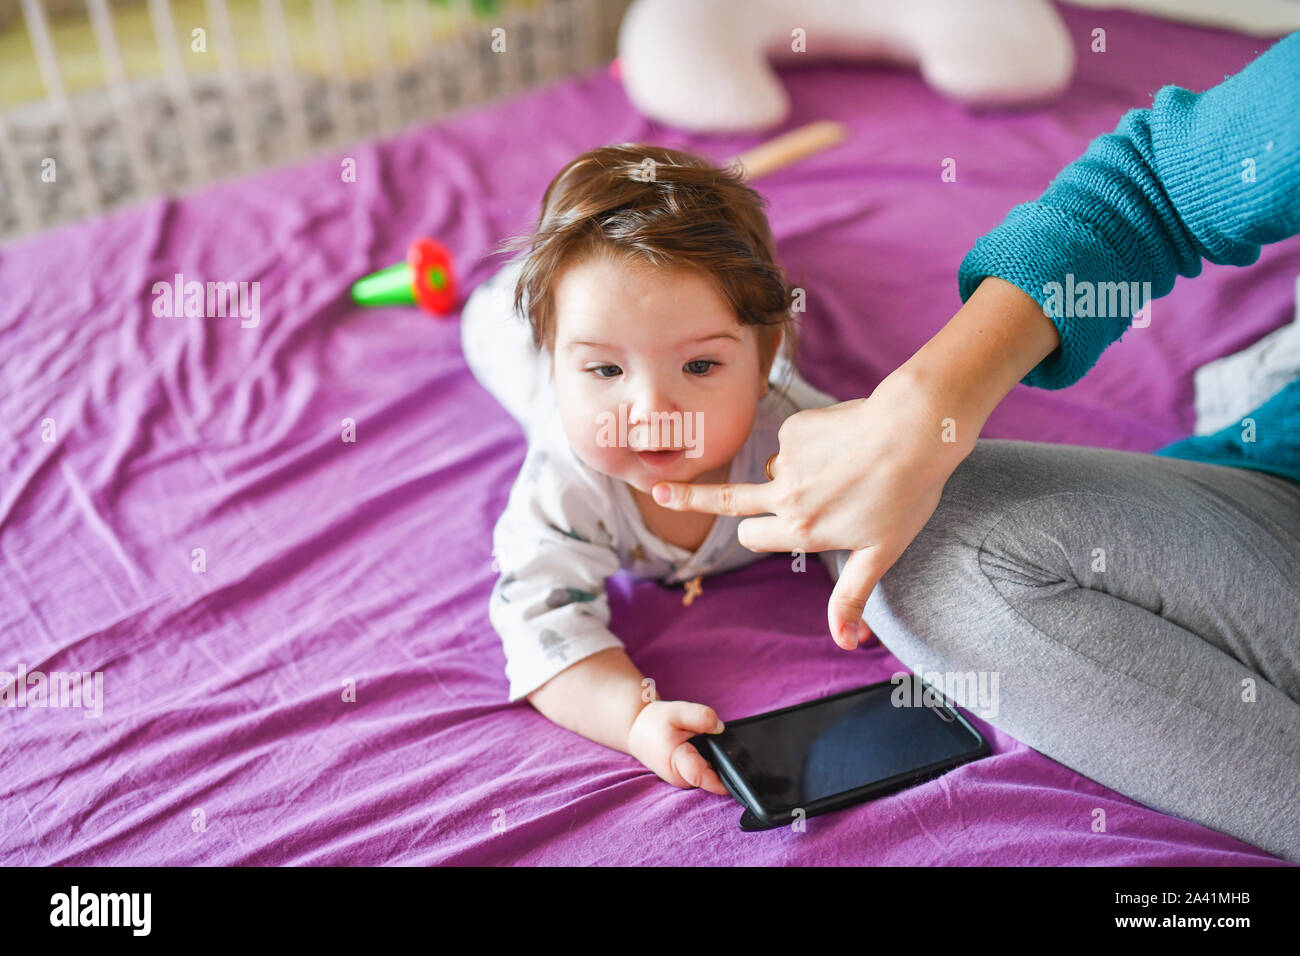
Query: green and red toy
(425,279)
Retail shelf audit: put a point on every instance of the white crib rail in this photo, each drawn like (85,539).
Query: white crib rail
(291,101)
(327,36)
(132,138)
(39,31)
(164,28)
(232,78)
(106,41)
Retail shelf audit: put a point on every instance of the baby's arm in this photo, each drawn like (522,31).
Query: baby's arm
(552,612)
(602,697)
(598,697)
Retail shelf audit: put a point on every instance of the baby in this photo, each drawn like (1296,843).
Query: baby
(661,349)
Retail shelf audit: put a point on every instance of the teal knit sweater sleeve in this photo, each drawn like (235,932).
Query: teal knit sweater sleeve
(1210,175)
(1199,176)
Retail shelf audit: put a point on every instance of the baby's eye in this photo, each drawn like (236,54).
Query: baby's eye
(707,363)
(597,369)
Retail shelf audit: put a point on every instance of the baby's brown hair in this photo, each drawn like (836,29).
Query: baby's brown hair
(664,208)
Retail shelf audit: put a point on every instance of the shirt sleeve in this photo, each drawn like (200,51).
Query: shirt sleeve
(1210,175)
(549,605)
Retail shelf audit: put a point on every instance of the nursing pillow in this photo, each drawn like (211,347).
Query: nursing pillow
(707,65)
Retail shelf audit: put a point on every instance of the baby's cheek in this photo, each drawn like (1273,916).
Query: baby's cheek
(582,427)
(611,461)
(722,433)
(598,453)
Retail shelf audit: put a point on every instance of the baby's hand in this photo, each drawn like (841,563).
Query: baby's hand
(659,736)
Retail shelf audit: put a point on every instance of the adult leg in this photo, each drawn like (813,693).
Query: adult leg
(1142,614)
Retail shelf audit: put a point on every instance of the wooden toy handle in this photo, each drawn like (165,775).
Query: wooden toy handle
(789,147)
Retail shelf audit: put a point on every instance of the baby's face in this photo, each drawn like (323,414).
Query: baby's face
(649,359)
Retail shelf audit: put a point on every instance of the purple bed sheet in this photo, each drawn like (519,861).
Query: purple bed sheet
(130,440)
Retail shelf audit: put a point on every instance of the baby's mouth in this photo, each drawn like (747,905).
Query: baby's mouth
(660,459)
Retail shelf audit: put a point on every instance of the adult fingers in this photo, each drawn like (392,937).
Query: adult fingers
(726,499)
(769,533)
(863,570)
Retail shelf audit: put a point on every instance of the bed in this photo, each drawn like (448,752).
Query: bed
(180,511)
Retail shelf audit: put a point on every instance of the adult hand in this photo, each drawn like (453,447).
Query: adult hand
(864,475)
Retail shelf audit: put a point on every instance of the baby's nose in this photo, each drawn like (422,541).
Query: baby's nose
(649,401)
(648,417)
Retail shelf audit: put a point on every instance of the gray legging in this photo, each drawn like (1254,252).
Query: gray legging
(1173,675)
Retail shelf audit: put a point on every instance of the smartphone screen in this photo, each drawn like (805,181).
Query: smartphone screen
(818,750)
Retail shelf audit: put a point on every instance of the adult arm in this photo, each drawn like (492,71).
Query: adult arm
(1170,187)
(1199,176)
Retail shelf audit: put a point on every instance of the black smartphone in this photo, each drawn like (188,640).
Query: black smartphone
(836,751)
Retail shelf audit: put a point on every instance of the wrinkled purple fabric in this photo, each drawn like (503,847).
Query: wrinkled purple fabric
(225,738)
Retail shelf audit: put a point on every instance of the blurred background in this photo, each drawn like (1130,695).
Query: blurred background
(138,97)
